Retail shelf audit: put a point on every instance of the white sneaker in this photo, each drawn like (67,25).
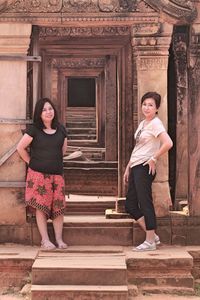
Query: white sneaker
(157,240)
(145,246)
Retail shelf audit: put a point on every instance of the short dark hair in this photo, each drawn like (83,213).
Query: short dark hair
(153,95)
(38,111)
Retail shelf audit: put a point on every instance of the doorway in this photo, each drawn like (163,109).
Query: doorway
(86,79)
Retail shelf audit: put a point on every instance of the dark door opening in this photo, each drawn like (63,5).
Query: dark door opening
(172,119)
(81,92)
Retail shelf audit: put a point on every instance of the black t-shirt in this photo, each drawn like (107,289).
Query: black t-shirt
(46,150)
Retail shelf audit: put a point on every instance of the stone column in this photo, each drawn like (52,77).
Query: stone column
(194,128)
(180,56)
(150,53)
(14,43)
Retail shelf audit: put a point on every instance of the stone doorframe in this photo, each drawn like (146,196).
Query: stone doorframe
(150,38)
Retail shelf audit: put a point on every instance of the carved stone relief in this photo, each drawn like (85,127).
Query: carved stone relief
(153,63)
(177,7)
(146,29)
(77,63)
(180,9)
(35,6)
(4,4)
(46,32)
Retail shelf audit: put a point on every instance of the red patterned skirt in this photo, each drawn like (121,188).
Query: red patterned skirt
(45,192)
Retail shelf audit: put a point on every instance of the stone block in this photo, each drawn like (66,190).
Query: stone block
(161,198)
(12,209)
(193,230)
(79,292)
(16,234)
(179,227)
(13,168)
(79,269)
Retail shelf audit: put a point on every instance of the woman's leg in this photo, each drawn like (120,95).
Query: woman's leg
(131,203)
(42,227)
(143,183)
(142,224)
(58,229)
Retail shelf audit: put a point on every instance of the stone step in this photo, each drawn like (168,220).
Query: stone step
(170,290)
(83,130)
(81,123)
(160,270)
(90,164)
(97,154)
(15,264)
(79,204)
(92,230)
(69,292)
(81,137)
(79,269)
(91,177)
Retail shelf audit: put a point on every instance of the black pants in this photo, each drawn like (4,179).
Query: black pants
(139,201)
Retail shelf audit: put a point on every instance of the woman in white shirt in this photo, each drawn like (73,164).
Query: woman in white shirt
(152,141)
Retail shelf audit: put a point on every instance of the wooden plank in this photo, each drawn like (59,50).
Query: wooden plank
(15,121)
(20,58)
(8,154)
(12,184)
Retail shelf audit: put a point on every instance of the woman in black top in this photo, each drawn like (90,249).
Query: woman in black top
(45,191)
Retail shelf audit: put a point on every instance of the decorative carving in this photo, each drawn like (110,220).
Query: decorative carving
(79,6)
(77,63)
(4,4)
(46,32)
(32,6)
(146,29)
(153,63)
(108,5)
(179,9)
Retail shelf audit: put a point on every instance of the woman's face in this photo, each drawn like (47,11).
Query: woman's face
(47,114)
(149,109)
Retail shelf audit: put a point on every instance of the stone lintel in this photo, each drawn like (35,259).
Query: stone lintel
(14,38)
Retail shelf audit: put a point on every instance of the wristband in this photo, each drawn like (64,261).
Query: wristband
(154,159)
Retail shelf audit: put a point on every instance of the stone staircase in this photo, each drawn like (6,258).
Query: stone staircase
(88,205)
(91,177)
(167,270)
(81,124)
(99,272)
(79,275)
(99,262)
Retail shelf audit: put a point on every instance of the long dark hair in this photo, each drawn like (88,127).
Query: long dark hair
(38,111)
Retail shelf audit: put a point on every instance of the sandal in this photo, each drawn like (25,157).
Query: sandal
(47,245)
(62,245)
(157,240)
(145,246)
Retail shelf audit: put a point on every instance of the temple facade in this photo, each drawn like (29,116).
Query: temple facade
(95,59)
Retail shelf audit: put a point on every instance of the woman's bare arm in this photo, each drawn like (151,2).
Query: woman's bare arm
(22,147)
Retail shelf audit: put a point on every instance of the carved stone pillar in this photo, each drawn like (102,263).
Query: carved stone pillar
(14,43)
(194,129)
(150,54)
(180,57)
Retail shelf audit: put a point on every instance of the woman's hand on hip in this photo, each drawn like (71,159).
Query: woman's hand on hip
(152,165)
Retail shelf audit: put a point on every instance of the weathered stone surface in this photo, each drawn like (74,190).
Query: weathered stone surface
(79,292)
(160,268)
(101,269)
(13,168)
(161,198)
(15,264)
(12,209)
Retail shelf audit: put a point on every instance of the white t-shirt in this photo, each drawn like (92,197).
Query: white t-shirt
(147,141)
